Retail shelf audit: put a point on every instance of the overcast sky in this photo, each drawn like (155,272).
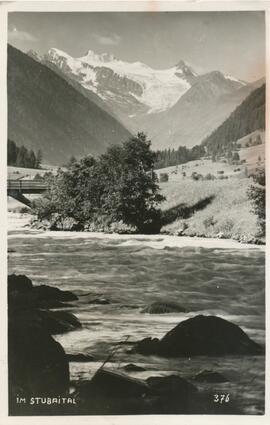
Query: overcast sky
(232,42)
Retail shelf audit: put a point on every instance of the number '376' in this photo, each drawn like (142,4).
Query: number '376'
(221,398)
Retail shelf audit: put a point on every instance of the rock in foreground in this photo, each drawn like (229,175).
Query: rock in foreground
(109,383)
(113,393)
(22,293)
(38,365)
(201,336)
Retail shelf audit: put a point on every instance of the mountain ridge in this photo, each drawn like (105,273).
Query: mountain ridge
(45,112)
(175,106)
(156,89)
(184,107)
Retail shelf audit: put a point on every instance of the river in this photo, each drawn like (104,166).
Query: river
(216,277)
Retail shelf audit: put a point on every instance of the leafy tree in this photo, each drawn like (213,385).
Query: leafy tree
(120,186)
(71,161)
(197,152)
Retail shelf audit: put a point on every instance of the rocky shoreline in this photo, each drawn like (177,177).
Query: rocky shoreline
(39,379)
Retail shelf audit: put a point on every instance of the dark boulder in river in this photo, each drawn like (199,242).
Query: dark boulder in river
(111,392)
(19,283)
(201,336)
(38,365)
(57,322)
(173,393)
(171,385)
(48,293)
(24,293)
(160,307)
(114,384)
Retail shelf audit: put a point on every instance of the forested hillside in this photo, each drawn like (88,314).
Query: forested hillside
(246,118)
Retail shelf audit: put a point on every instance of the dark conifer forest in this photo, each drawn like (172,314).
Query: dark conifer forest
(20,156)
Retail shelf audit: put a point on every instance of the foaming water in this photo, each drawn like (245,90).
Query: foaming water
(221,277)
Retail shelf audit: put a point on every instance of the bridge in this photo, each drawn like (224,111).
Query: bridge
(18,188)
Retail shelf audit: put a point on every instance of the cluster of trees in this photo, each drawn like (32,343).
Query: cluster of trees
(256,194)
(254,142)
(20,156)
(168,157)
(247,117)
(118,186)
(229,153)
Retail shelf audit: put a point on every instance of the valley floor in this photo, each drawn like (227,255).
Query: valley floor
(214,208)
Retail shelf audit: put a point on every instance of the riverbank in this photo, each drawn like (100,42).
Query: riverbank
(18,221)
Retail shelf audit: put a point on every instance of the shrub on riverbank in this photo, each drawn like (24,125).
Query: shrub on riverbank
(118,187)
(256,193)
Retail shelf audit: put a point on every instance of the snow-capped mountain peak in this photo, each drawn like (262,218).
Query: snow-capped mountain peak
(91,56)
(109,77)
(54,52)
(131,86)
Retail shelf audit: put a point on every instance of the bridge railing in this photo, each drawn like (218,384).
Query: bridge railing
(23,185)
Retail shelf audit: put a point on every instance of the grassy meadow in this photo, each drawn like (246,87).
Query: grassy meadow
(210,208)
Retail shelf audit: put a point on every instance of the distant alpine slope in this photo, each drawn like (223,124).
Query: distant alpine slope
(175,106)
(45,112)
(248,117)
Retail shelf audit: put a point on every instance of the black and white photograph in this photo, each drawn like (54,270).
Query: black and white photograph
(136,214)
